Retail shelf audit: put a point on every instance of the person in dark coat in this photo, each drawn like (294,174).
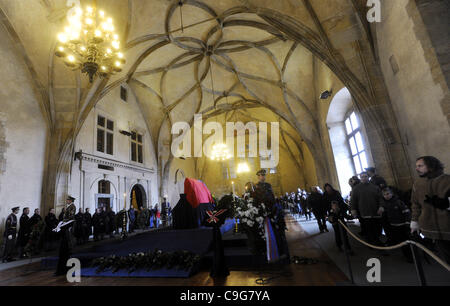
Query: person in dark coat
(398,218)
(132,218)
(36,230)
(24,232)
(9,235)
(50,236)
(78,229)
(365,203)
(35,219)
(304,205)
(110,221)
(98,222)
(338,212)
(65,227)
(87,222)
(331,195)
(319,209)
(375,179)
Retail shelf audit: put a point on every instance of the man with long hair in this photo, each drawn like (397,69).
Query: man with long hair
(430,203)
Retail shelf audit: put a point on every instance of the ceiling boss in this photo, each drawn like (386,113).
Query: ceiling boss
(90,44)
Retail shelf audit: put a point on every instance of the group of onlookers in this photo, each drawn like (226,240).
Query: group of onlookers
(36,234)
(379,207)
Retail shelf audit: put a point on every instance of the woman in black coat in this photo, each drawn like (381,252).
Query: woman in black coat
(315,201)
(331,195)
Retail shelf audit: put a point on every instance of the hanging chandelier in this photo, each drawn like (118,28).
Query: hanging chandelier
(90,44)
(243,168)
(220,152)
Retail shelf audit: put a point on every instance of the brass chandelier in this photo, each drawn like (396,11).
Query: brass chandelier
(220,152)
(90,44)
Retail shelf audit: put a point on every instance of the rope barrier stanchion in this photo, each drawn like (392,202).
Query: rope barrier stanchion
(346,251)
(418,264)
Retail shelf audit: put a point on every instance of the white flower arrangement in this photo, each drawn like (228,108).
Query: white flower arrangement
(251,216)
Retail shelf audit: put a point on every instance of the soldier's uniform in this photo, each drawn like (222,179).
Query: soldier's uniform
(10,236)
(264,193)
(66,239)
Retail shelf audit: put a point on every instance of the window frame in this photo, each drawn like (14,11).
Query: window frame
(106,131)
(352,135)
(142,134)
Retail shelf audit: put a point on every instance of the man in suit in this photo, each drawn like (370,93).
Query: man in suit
(24,232)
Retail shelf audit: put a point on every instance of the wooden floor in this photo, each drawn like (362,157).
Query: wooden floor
(324,273)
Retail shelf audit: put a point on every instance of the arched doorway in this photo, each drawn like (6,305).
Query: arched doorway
(138,197)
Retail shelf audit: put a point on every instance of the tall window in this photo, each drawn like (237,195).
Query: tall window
(136,148)
(105,135)
(356,143)
(104,187)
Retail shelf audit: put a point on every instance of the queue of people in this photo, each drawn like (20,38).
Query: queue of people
(31,235)
(381,208)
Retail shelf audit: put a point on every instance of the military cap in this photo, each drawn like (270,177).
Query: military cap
(70,198)
(261,172)
(15,208)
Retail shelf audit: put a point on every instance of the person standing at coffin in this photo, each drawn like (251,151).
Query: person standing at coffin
(66,240)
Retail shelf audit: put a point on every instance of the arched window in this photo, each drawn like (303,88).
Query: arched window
(350,149)
(356,143)
(104,187)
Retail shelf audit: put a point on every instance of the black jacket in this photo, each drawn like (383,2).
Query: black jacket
(50,223)
(35,219)
(24,230)
(396,212)
(318,206)
(334,216)
(335,196)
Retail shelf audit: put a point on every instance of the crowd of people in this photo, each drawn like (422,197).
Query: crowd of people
(36,234)
(378,207)
(382,208)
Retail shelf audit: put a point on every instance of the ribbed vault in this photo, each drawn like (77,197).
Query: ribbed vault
(229,56)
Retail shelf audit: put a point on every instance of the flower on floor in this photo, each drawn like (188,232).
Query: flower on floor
(152,260)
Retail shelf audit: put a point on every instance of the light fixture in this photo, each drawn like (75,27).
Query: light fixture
(220,152)
(326,94)
(89,43)
(243,168)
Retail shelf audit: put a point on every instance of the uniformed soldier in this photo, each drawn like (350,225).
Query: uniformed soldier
(10,235)
(263,190)
(66,243)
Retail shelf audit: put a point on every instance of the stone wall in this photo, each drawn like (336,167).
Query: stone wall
(414,79)
(23,133)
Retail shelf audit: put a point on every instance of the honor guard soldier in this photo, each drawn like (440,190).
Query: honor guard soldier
(263,190)
(66,243)
(10,235)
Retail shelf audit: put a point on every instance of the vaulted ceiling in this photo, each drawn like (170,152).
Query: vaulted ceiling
(207,56)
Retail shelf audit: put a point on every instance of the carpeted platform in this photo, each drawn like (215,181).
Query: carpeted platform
(197,241)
